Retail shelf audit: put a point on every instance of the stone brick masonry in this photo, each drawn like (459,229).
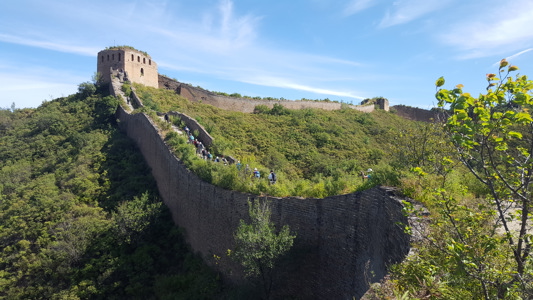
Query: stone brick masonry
(247,105)
(138,66)
(341,240)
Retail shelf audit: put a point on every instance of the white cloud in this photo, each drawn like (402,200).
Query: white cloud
(29,85)
(509,58)
(289,84)
(215,40)
(405,11)
(56,46)
(356,6)
(31,91)
(493,32)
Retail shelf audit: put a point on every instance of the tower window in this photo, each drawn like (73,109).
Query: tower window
(102,58)
(144,60)
(132,58)
(138,59)
(113,57)
(150,62)
(108,57)
(142,72)
(119,57)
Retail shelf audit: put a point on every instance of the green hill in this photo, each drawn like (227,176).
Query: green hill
(315,153)
(80,215)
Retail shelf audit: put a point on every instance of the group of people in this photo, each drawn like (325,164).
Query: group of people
(272,178)
(201,150)
(205,154)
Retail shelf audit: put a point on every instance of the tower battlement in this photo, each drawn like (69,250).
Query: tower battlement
(138,66)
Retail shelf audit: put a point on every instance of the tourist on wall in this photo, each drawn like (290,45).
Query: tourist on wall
(272,177)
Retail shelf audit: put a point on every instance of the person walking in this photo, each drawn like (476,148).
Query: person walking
(272,177)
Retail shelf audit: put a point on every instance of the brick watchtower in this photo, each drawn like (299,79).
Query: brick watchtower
(138,65)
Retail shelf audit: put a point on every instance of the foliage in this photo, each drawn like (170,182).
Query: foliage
(86,89)
(122,47)
(315,153)
(79,211)
(259,246)
(126,88)
(479,248)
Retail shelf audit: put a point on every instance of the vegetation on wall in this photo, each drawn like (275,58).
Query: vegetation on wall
(315,153)
(81,218)
(127,47)
(259,246)
(473,175)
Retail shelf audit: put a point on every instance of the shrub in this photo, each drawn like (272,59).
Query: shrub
(261,109)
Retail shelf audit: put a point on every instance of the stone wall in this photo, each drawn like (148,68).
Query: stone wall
(341,240)
(115,88)
(194,126)
(417,114)
(247,105)
(138,66)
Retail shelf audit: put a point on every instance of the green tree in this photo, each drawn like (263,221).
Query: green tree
(86,89)
(493,135)
(259,246)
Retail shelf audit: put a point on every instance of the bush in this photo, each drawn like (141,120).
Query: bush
(261,109)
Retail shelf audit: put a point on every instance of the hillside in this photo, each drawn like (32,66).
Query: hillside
(315,153)
(80,215)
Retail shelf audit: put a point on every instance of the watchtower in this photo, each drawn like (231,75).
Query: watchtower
(137,65)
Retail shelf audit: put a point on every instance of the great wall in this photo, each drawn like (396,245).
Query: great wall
(343,242)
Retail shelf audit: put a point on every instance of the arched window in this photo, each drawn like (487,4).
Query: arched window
(144,60)
(119,57)
(142,72)
(150,62)
(132,58)
(108,57)
(138,59)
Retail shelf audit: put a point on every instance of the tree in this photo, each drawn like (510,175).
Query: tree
(493,136)
(86,89)
(258,246)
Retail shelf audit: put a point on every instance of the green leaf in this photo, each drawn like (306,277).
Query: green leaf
(515,134)
(523,117)
(440,81)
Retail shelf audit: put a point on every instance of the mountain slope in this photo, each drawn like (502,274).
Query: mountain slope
(315,153)
(79,212)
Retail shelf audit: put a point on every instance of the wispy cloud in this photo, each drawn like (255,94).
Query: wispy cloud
(50,45)
(482,36)
(25,86)
(217,40)
(356,6)
(405,11)
(238,31)
(512,57)
(509,58)
(290,84)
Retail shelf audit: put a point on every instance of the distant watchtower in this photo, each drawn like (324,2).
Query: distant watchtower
(138,65)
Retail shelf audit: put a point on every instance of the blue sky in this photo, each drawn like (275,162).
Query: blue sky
(345,50)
